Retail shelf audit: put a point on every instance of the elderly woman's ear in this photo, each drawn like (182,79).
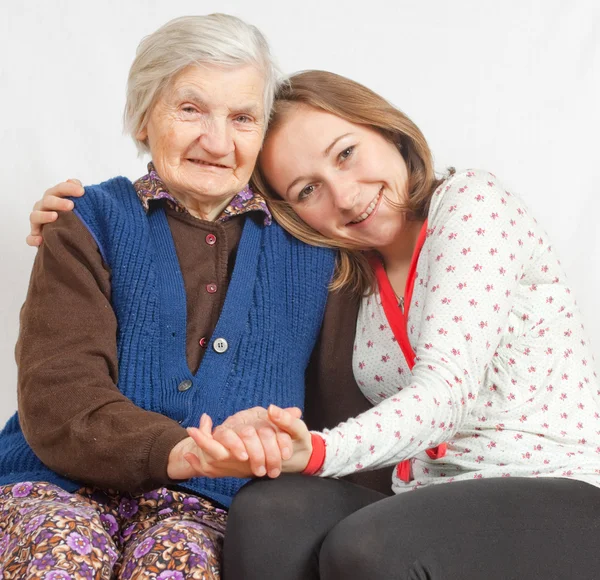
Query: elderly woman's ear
(142,135)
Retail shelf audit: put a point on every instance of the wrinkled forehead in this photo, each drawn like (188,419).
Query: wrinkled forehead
(215,85)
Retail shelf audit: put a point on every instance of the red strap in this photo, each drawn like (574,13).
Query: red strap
(397,321)
(317,457)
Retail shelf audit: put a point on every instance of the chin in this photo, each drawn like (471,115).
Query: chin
(213,188)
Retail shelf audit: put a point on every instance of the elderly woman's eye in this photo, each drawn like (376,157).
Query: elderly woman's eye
(243,119)
(188,109)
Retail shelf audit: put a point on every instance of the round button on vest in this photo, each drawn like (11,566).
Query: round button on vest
(184,385)
(203,342)
(211,239)
(220,345)
(211,288)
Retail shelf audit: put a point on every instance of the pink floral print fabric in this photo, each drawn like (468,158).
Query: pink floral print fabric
(50,534)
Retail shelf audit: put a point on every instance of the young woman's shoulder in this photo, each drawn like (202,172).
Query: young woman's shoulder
(474,194)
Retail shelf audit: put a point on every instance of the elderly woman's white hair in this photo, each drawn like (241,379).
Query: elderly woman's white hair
(214,39)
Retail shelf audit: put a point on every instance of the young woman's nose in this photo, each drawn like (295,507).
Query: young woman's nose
(345,194)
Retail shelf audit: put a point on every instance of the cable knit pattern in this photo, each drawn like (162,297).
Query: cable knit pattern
(503,374)
(265,320)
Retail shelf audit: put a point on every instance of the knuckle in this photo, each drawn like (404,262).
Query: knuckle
(285,439)
(273,456)
(247,432)
(265,432)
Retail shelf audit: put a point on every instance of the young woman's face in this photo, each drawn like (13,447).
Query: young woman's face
(337,176)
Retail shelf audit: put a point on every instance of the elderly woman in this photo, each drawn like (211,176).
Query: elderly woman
(99,477)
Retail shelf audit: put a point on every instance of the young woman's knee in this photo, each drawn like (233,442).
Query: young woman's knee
(347,552)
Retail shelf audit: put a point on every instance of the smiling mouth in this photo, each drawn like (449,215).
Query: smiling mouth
(370,209)
(208,164)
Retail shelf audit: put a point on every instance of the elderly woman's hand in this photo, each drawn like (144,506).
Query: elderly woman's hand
(45,210)
(199,455)
(250,435)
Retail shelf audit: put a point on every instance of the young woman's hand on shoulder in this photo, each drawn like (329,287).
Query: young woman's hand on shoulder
(46,210)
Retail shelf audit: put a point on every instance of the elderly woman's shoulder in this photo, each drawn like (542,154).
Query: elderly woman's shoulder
(115,192)
(110,206)
(114,187)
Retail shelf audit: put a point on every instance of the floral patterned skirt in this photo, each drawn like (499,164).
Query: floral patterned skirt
(49,534)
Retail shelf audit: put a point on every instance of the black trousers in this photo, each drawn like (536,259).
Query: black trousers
(299,527)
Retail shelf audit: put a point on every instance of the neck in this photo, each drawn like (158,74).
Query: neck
(204,210)
(398,254)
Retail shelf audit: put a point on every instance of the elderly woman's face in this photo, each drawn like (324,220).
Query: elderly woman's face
(205,132)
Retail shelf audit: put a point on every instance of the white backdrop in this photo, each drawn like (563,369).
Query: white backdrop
(512,86)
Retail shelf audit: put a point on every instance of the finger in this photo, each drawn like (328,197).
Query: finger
(65,189)
(287,422)
(206,425)
(271,450)
(286,446)
(39,218)
(294,411)
(207,444)
(195,463)
(52,203)
(33,241)
(76,182)
(254,448)
(232,441)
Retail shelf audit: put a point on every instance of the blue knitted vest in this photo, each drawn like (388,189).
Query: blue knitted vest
(270,320)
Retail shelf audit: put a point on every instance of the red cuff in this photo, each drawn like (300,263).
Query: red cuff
(317,457)
(437,452)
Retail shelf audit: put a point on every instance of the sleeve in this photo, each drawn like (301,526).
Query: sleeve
(478,246)
(72,413)
(332,394)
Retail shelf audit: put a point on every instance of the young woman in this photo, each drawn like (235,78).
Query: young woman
(468,343)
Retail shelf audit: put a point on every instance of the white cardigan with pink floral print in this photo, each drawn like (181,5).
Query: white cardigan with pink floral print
(503,371)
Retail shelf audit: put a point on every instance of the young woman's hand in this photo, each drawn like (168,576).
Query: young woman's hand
(300,435)
(249,435)
(45,210)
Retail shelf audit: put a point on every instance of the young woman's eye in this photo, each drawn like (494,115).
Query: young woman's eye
(346,153)
(306,192)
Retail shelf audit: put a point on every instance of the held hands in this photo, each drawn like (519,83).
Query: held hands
(255,442)
(199,455)
(249,434)
(274,440)
(45,210)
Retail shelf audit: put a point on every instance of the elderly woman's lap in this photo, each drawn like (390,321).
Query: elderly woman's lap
(46,532)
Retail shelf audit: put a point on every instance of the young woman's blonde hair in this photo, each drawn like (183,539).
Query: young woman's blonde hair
(357,104)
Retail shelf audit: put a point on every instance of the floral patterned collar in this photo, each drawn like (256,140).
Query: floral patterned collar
(150,187)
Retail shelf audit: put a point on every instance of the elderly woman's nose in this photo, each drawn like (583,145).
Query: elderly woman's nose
(217,139)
